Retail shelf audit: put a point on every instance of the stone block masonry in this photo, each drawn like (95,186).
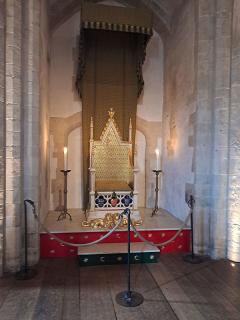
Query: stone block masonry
(233,222)
(13,105)
(2,128)
(19,127)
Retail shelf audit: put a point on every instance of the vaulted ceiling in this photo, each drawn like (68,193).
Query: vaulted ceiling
(163,11)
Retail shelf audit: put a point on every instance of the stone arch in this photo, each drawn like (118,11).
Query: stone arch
(162,12)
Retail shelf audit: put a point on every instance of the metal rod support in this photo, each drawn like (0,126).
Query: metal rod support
(192,258)
(25,237)
(129,253)
(26,273)
(129,298)
(192,235)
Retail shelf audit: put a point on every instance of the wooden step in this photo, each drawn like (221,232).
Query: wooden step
(116,253)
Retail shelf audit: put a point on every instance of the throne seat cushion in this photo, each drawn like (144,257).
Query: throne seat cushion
(112,185)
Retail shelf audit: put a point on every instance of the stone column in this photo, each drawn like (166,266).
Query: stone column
(205,20)
(234,143)
(14,196)
(2,128)
(31,134)
(212,125)
(44,164)
(218,221)
(19,127)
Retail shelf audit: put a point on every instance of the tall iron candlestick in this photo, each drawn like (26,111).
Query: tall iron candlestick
(65,212)
(155,210)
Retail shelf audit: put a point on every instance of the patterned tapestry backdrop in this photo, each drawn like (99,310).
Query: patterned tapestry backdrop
(109,76)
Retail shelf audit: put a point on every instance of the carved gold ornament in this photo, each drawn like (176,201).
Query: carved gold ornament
(108,222)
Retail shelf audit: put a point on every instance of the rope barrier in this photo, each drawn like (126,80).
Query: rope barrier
(162,243)
(76,244)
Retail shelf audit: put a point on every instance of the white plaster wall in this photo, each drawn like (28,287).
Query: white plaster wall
(150,104)
(64,102)
(149,109)
(178,115)
(177,170)
(75,163)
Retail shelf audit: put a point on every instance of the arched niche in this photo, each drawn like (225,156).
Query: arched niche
(162,11)
(64,101)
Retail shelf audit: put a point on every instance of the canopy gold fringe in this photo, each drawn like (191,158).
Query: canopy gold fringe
(116,27)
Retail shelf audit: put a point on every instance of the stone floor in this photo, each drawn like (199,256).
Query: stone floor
(172,289)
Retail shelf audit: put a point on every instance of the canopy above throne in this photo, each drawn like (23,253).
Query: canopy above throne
(112,49)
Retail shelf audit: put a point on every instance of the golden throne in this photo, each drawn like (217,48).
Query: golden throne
(113,177)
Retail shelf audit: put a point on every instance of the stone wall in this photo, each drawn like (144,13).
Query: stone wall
(44,110)
(2,129)
(233,222)
(19,135)
(205,21)
(31,120)
(14,114)
(200,123)
(220,117)
(179,112)
(214,23)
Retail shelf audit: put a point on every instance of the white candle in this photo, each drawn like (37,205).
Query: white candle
(157,159)
(65,150)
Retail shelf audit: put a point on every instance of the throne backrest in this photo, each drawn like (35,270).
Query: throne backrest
(110,156)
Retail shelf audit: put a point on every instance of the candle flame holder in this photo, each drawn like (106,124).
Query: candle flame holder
(155,210)
(64,213)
